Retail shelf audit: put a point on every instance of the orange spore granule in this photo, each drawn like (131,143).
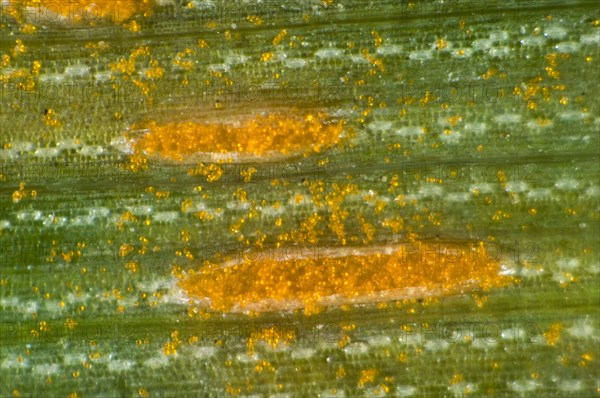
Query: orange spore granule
(408,271)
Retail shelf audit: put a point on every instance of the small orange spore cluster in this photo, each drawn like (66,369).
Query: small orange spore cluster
(272,336)
(409,271)
(277,134)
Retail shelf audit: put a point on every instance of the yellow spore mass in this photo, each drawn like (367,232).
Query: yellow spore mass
(263,135)
(76,11)
(335,278)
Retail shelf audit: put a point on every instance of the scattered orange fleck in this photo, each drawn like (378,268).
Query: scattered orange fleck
(378,40)
(233,390)
(272,336)
(50,118)
(28,29)
(170,347)
(280,36)
(132,266)
(456,378)
(19,194)
(211,172)
(255,19)
(265,57)
(489,73)
(552,335)
(125,249)
(367,376)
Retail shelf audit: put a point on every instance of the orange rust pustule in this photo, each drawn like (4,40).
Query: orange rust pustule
(77,11)
(272,134)
(310,283)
